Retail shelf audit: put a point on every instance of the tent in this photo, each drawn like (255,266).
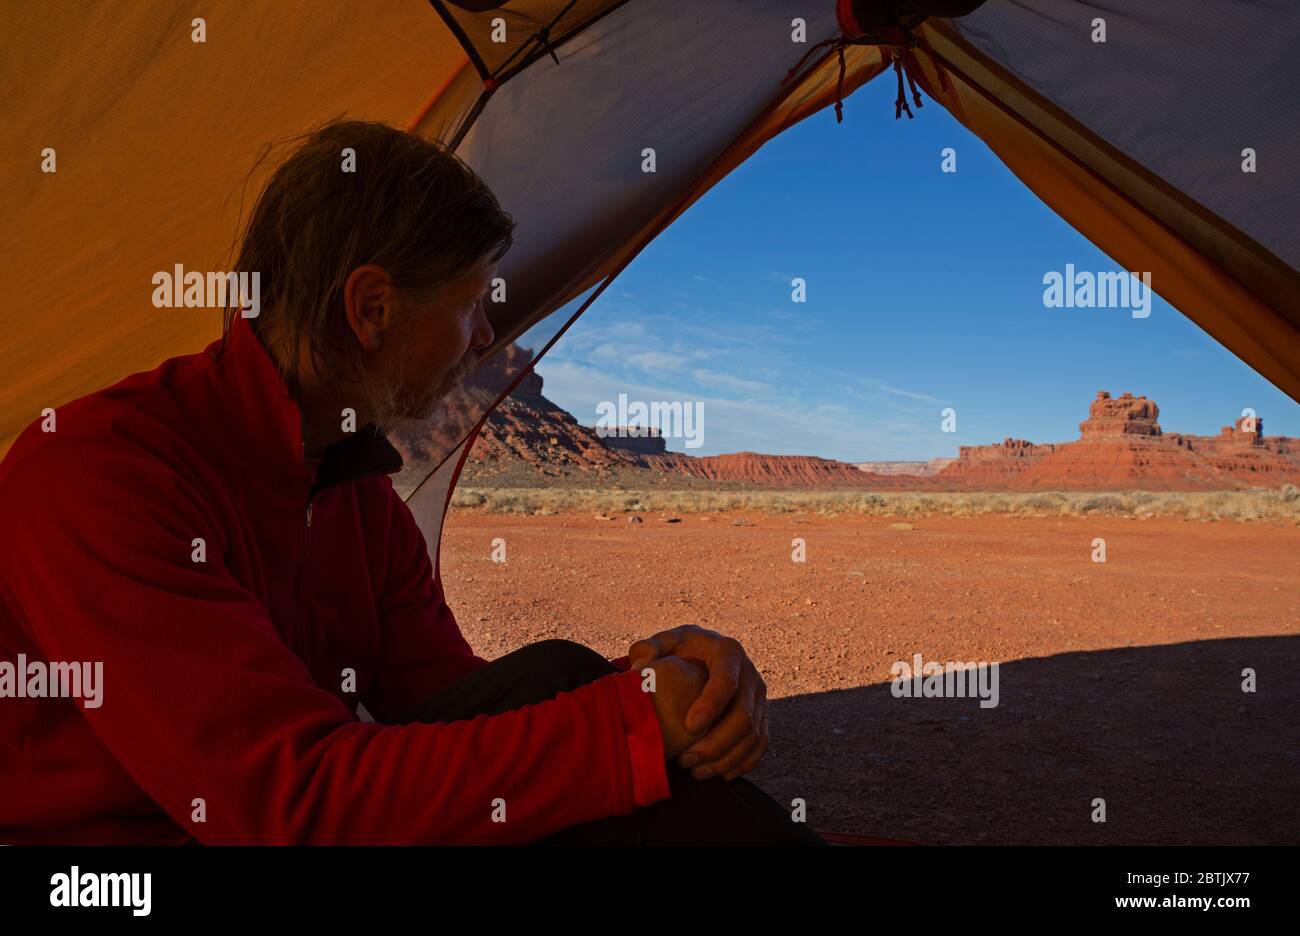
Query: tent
(1166,133)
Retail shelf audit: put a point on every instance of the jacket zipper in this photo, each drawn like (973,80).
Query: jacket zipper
(304,631)
(303,628)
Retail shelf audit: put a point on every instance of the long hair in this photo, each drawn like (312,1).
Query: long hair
(350,193)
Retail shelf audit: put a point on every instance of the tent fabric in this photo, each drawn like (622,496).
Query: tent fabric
(154,133)
(432,498)
(504,40)
(1178,89)
(561,147)
(1241,292)
(1185,277)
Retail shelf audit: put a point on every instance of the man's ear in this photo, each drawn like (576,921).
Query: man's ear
(368,304)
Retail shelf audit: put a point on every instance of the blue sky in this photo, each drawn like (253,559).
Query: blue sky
(924,291)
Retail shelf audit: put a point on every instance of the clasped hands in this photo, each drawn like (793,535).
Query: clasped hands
(723,731)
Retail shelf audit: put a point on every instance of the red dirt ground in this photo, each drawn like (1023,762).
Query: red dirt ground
(1119,681)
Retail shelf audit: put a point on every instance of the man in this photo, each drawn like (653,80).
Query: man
(218,535)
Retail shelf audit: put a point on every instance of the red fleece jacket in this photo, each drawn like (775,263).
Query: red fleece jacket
(224,695)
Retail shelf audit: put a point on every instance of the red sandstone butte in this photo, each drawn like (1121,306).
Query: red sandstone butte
(1122,447)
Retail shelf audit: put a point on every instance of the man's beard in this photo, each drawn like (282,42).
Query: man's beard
(393,410)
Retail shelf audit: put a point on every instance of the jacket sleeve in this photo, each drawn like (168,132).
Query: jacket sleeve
(201,700)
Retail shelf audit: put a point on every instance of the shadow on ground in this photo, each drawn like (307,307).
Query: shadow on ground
(1163,734)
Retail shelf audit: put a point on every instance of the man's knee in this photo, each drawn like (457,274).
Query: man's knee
(727,812)
(568,663)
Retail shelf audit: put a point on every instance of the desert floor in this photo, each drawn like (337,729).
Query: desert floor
(1119,681)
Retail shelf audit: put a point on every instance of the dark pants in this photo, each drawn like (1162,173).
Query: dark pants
(699,812)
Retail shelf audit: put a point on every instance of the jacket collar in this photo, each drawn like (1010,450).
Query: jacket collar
(266,424)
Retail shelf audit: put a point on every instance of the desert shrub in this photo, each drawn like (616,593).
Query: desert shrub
(1040,503)
(997,503)
(872,502)
(1102,503)
(1257,504)
(468,499)
(780,503)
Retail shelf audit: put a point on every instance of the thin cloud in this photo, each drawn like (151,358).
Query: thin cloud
(776,427)
(721,381)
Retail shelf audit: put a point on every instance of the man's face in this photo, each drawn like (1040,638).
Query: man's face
(432,350)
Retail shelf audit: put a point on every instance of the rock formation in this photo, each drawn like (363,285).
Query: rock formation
(1128,415)
(636,439)
(781,471)
(1120,447)
(913,469)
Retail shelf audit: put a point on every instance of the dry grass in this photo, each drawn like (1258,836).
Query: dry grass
(1258,504)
